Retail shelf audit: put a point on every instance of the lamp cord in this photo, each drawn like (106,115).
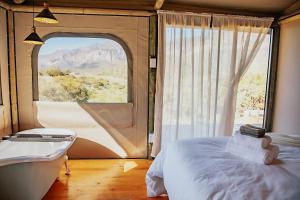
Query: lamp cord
(33,13)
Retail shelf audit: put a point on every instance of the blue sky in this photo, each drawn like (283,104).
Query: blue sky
(59,43)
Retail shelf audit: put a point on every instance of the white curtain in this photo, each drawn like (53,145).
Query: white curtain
(200,63)
(240,39)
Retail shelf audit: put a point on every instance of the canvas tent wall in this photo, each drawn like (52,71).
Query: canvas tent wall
(5,118)
(106,130)
(287,98)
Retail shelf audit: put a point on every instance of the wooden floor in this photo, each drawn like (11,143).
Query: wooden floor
(115,179)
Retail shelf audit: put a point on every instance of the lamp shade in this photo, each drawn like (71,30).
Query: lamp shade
(34,38)
(45,16)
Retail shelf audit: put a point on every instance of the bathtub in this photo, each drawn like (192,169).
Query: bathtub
(29,168)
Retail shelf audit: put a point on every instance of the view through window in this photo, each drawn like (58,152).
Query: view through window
(194,86)
(82,69)
(252,89)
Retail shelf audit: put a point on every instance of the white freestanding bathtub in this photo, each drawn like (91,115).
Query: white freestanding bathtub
(29,168)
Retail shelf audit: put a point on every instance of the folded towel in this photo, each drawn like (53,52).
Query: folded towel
(274,151)
(258,155)
(252,131)
(251,141)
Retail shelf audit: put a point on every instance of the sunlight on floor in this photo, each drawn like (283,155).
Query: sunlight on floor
(103,179)
(129,165)
(71,115)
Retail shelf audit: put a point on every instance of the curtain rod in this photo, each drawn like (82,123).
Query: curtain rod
(213,14)
(183,12)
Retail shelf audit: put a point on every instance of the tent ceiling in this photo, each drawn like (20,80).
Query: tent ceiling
(267,6)
(110,4)
(271,7)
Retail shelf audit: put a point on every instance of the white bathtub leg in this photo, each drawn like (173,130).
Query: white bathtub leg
(67,166)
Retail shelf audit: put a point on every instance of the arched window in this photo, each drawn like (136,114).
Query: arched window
(89,68)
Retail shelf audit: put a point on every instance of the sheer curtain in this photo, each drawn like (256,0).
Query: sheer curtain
(200,63)
(240,39)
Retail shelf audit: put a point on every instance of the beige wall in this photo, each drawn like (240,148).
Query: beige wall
(105,130)
(287,97)
(5,119)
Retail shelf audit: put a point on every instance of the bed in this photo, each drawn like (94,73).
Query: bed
(200,169)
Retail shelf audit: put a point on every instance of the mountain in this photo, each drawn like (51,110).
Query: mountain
(101,55)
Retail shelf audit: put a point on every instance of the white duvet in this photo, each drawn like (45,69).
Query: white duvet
(200,169)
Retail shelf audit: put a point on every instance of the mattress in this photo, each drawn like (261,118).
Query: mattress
(200,169)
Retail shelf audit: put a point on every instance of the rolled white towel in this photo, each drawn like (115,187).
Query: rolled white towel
(258,155)
(275,151)
(252,142)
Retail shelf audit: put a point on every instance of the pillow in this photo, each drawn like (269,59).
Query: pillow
(285,139)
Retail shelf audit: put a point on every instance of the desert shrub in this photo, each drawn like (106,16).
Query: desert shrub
(54,71)
(75,89)
(102,83)
(62,86)
(54,94)
(252,94)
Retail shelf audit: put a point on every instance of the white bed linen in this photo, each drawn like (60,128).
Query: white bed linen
(200,169)
(285,139)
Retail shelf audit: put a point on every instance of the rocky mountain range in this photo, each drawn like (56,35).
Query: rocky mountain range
(102,55)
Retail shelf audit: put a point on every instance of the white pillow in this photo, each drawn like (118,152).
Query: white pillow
(285,139)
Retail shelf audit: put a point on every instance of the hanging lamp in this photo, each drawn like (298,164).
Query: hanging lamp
(45,16)
(33,38)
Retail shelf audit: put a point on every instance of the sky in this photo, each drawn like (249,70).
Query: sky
(58,43)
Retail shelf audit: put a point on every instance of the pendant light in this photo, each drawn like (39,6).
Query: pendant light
(46,16)
(33,38)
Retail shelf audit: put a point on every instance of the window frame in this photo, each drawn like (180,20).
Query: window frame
(36,50)
(272,75)
(268,83)
(1,97)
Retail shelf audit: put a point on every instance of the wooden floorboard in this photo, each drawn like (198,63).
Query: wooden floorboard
(115,179)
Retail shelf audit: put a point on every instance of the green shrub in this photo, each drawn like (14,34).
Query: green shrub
(54,94)
(54,71)
(76,90)
(62,86)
